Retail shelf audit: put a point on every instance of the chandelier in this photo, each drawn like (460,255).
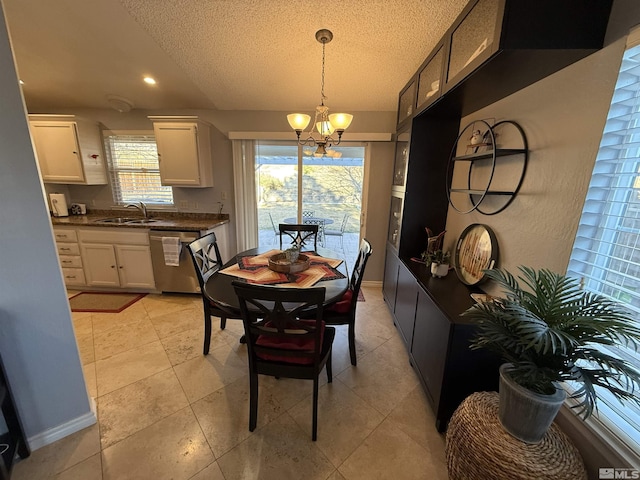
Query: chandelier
(326,124)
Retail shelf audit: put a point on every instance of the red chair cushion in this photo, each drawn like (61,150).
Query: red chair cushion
(289,343)
(344,304)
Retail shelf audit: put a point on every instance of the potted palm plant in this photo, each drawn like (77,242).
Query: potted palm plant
(549,333)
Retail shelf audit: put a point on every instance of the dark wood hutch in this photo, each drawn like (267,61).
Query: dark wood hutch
(493,49)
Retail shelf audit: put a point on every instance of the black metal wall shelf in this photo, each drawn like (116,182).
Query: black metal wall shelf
(490,153)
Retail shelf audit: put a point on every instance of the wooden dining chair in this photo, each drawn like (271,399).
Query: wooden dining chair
(279,343)
(206,258)
(343,312)
(296,234)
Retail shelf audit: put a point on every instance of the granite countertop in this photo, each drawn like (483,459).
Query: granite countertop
(182,222)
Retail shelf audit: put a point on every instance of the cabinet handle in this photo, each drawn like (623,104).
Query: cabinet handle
(120,267)
(113,266)
(66,261)
(65,249)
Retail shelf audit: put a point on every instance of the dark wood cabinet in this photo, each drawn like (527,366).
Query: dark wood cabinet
(493,49)
(406,103)
(12,437)
(427,315)
(406,298)
(429,348)
(390,280)
(430,77)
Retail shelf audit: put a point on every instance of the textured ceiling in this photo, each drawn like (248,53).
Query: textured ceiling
(224,54)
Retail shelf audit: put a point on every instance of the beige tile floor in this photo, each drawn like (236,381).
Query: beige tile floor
(166,411)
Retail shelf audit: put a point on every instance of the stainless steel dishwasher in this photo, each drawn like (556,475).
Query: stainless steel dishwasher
(181,278)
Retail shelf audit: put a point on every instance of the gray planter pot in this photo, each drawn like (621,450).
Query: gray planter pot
(525,414)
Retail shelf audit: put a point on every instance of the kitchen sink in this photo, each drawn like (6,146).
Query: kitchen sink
(126,220)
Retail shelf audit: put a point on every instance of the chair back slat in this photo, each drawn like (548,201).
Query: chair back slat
(355,281)
(300,235)
(206,258)
(272,325)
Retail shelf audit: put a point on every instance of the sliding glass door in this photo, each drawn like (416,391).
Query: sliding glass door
(294,186)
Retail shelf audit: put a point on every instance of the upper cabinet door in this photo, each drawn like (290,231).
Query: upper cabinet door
(474,39)
(69,149)
(58,152)
(406,103)
(401,160)
(430,79)
(184,153)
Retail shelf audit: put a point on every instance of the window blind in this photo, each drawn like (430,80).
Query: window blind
(606,252)
(134,170)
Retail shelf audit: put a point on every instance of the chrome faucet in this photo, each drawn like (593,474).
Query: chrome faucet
(140,206)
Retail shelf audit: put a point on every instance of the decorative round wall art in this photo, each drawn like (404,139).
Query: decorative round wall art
(476,250)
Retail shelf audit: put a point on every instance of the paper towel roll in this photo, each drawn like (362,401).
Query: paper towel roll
(59,205)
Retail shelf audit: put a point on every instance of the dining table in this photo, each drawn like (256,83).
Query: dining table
(326,270)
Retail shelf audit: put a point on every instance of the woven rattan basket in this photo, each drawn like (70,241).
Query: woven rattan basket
(478,447)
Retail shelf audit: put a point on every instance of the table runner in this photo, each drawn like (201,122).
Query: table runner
(255,269)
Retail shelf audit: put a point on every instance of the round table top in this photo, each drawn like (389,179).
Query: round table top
(294,220)
(219,289)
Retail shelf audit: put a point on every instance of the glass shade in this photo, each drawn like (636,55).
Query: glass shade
(340,121)
(325,128)
(298,121)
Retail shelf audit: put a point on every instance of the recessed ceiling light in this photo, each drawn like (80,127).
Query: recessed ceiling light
(150,80)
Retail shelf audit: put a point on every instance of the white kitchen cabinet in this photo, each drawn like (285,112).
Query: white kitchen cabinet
(69,256)
(134,266)
(184,151)
(101,266)
(69,149)
(116,258)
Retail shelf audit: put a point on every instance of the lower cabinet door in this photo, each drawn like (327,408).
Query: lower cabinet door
(100,265)
(430,344)
(405,311)
(134,266)
(390,281)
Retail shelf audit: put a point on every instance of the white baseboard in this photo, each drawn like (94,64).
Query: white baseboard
(54,434)
(372,283)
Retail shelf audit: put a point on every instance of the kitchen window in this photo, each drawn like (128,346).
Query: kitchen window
(606,252)
(133,169)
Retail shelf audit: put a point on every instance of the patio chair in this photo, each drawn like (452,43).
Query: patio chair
(339,233)
(320,224)
(276,233)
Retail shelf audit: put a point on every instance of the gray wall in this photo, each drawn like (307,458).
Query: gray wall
(37,342)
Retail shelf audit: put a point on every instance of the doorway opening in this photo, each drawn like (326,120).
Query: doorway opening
(292,186)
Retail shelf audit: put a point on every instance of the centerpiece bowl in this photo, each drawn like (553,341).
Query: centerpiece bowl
(280,263)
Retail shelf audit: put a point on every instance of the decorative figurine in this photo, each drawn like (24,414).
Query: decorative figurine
(476,137)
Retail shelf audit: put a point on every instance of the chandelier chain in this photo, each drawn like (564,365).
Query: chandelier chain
(322,97)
